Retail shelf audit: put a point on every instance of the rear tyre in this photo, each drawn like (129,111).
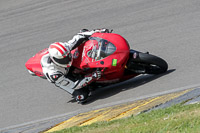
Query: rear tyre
(145,63)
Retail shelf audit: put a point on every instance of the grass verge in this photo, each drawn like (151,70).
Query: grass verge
(178,118)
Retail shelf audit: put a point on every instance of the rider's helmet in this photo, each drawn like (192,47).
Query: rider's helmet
(60,54)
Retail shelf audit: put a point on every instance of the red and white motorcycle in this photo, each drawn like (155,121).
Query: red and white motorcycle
(110,53)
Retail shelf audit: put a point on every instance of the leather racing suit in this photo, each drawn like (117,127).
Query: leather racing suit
(57,75)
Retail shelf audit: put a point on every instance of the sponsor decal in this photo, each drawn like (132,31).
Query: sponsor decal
(114,62)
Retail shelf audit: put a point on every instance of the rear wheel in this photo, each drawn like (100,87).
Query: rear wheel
(145,63)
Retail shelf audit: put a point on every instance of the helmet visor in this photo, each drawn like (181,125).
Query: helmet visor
(64,61)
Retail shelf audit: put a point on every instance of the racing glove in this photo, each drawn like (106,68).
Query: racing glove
(88,79)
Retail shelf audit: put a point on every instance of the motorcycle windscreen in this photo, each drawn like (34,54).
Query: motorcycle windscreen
(101,49)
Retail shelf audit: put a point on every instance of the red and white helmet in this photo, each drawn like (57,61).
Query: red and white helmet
(60,54)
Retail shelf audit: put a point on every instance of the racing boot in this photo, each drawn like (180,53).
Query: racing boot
(81,95)
(81,91)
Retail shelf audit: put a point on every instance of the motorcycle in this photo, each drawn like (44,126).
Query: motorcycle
(111,54)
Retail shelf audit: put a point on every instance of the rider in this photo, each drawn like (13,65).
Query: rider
(57,62)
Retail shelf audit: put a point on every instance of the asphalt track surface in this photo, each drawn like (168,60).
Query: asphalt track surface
(167,28)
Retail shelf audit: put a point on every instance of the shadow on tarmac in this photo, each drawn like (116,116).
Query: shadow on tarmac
(114,89)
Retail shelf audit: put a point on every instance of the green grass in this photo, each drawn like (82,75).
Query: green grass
(175,119)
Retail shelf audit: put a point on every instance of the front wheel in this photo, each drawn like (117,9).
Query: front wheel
(144,63)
